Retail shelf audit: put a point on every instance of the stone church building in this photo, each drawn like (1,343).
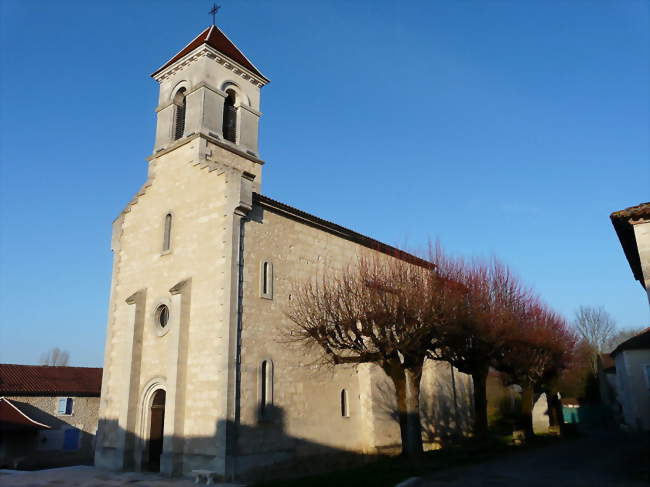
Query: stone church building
(195,375)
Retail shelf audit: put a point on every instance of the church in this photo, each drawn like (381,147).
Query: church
(195,374)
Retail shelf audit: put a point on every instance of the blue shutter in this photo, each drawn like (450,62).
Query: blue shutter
(68,405)
(71,439)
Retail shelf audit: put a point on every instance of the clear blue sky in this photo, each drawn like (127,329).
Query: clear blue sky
(511,127)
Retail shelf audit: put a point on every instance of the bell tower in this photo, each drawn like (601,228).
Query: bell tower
(210,88)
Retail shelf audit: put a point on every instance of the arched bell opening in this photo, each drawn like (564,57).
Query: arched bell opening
(230,116)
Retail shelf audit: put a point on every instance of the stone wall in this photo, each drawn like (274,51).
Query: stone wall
(642,236)
(633,385)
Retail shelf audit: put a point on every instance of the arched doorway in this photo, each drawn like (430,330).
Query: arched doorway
(157,416)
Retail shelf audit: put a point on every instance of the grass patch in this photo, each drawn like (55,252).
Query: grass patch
(387,472)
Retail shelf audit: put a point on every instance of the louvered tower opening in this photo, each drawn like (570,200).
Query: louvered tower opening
(179,125)
(230,117)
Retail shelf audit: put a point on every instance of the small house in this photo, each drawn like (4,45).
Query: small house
(48,415)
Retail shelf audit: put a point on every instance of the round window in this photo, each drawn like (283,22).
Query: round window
(162,315)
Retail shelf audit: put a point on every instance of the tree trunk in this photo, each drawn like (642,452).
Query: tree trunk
(527,395)
(395,371)
(479,379)
(414,427)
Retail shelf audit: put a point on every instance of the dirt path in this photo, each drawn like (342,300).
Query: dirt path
(595,460)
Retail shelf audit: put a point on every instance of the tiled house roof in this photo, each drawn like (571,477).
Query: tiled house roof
(213,37)
(12,418)
(41,380)
(623,221)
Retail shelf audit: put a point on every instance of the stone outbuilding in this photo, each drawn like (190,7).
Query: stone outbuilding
(632,359)
(48,415)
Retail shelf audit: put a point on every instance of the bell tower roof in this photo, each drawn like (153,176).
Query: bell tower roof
(215,38)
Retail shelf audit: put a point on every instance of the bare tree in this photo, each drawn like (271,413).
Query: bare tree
(481,325)
(621,336)
(55,357)
(595,326)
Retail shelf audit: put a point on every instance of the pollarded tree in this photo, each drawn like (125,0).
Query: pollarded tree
(384,310)
(480,324)
(538,350)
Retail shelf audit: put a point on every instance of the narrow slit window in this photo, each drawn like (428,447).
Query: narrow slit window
(345,411)
(167,234)
(230,116)
(266,388)
(179,123)
(266,280)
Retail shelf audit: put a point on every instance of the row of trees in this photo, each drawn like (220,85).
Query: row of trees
(398,312)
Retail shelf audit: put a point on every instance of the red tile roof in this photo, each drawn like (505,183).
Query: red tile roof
(42,380)
(13,419)
(213,37)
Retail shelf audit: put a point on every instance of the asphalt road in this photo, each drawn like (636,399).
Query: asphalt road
(594,460)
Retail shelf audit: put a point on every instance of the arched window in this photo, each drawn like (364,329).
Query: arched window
(167,234)
(345,411)
(266,387)
(179,124)
(230,116)
(266,280)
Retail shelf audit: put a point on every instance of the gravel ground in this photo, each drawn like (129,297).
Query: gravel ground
(594,460)
(89,477)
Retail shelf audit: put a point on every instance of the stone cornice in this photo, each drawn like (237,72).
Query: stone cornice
(211,53)
(133,299)
(181,286)
(210,138)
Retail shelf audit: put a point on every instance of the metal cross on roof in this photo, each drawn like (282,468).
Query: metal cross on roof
(213,11)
